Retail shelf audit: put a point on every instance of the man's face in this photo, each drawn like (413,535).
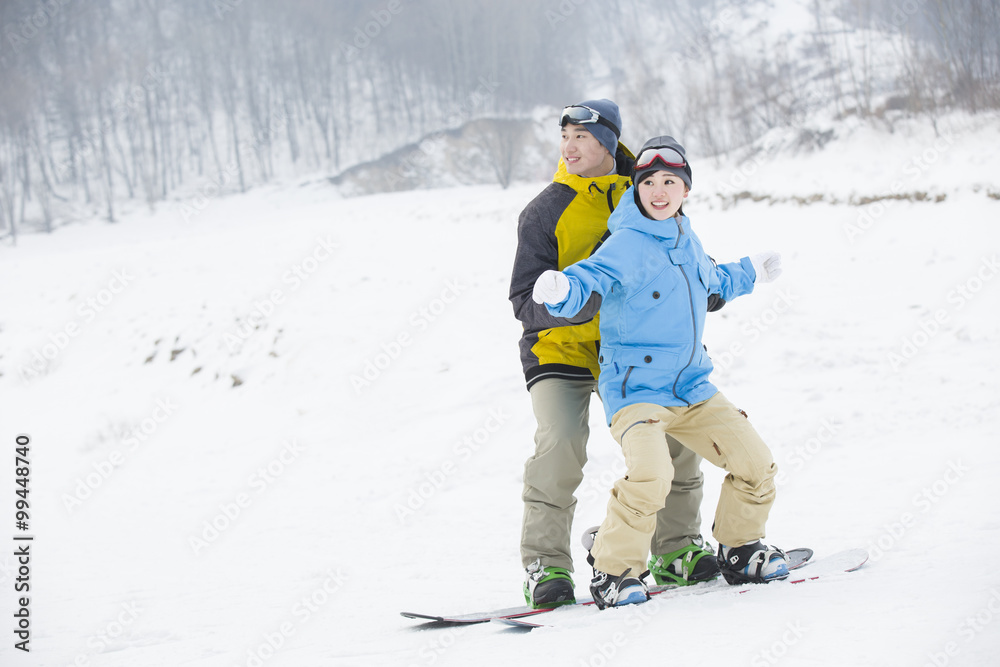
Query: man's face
(583,154)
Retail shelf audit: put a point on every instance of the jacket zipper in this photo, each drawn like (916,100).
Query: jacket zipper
(611,201)
(694,327)
(625,379)
(694,323)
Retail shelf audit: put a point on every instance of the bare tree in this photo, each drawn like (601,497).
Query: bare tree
(502,141)
(143,98)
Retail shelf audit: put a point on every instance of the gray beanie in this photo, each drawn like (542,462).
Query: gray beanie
(663,142)
(608,111)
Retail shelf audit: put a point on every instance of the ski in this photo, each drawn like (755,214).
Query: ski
(835,564)
(797,558)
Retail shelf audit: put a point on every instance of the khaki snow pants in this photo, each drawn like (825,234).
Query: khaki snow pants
(555,471)
(717,431)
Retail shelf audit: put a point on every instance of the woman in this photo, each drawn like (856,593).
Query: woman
(655,279)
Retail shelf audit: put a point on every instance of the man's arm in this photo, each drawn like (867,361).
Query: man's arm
(538,251)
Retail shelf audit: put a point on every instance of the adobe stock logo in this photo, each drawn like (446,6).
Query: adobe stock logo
(391,350)
(88,310)
(959,297)
(363,35)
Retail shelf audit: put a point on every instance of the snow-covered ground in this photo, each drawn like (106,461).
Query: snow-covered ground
(260,433)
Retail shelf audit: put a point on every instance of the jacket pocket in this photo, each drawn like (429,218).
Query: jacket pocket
(654,292)
(648,368)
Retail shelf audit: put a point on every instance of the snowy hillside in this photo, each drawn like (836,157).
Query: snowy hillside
(259,434)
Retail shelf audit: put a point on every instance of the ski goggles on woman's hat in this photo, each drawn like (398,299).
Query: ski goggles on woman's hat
(580,115)
(668,156)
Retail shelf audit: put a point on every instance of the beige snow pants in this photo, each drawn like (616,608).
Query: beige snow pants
(555,471)
(716,430)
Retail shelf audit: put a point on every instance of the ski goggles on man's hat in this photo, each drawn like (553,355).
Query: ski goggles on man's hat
(668,156)
(580,115)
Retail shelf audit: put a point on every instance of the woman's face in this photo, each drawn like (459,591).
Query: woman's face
(661,194)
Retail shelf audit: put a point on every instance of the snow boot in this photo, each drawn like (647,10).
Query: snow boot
(754,563)
(548,587)
(689,565)
(608,590)
(611,591)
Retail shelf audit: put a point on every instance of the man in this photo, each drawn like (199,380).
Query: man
(565,223)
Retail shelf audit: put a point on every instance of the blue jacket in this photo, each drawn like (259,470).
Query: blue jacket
(654,279)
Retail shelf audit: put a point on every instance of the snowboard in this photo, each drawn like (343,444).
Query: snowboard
(797,558)
(835,564)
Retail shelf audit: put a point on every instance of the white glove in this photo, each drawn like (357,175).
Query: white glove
(767,265)
(550,287)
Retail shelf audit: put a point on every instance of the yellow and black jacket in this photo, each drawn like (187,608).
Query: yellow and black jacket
(565,223)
